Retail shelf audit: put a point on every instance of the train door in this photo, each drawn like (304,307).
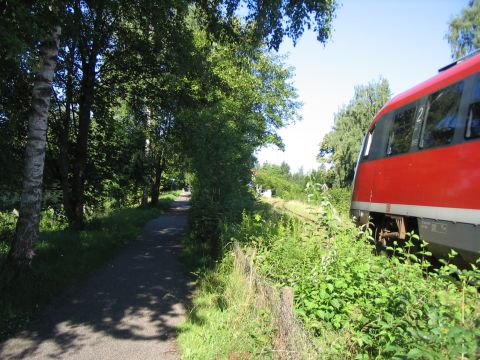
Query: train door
(364,174)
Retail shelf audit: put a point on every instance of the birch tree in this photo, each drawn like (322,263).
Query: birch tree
(27,229)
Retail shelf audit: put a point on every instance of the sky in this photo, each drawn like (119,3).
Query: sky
(400,40)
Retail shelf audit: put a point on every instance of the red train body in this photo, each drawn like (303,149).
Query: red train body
(419,166)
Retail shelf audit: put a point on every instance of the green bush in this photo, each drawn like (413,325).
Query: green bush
(8,221)
(340,199)
(376,306)
(50,220)
(282,183)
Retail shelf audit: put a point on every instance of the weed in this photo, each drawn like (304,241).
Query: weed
(357,305)
(378,306)
(224,321)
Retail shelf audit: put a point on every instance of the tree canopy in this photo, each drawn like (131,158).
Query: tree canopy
(464,30)
(148,91)
(339,148)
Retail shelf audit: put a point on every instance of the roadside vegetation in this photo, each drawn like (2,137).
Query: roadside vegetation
(379,306)
(355,302)
(146,97)
(63,256)
(224,321)
(290,189)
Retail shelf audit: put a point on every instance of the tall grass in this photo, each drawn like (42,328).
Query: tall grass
(63,256)
(358,305)
(371,306)
(224,321)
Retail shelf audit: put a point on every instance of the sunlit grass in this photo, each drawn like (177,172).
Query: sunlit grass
(354,303)
(224,322)
(370,306)
(293,207)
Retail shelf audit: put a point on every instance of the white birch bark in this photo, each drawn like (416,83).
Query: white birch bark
(27,229)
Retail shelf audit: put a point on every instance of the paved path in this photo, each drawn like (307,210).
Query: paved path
(129,309)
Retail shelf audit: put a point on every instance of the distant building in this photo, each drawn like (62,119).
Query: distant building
(267,193)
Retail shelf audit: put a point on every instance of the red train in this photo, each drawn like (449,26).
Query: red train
(419,166)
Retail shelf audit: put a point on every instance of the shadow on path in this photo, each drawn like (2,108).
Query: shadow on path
(129,309)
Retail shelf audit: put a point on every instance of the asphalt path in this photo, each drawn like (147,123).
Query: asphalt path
(129,309)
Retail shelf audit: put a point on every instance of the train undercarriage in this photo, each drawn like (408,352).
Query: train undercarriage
(441,236)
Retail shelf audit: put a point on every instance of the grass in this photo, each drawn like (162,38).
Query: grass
(370,306)
(356,305)
(64,257)
(293,207)
(224,322)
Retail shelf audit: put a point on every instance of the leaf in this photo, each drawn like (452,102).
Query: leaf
(330,287)
(414,354)
(335,303)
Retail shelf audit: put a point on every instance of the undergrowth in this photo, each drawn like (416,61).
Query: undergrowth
(224,322)
(371,306)
(63,256)
(357,305)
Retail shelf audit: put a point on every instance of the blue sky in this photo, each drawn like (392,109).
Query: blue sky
(400,40)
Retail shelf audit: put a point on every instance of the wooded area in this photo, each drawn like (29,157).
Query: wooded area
(142,96)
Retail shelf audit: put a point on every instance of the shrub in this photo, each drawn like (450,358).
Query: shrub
(340,198)
(8,221)
(378,306)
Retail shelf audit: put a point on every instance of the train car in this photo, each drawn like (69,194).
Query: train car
(419,165)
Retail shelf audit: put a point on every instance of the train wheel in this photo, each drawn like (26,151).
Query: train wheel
(388,230)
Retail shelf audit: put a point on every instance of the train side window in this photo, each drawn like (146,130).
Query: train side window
(400,138)
(473,121)
(368,143)
(441,121)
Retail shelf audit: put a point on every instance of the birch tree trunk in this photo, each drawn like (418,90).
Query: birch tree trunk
(27,229)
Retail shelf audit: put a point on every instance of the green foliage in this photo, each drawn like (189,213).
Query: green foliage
(136,81)
(64,256)
(248,98)
(8,220)
(463,33)
(224,321)
(340,199)
(275,19)
(287,186)
(279,179)
(16,80)
(370,306)
(341,146)
(270,21)
(50,220)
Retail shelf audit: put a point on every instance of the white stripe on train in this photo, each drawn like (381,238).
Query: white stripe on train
(468,216)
